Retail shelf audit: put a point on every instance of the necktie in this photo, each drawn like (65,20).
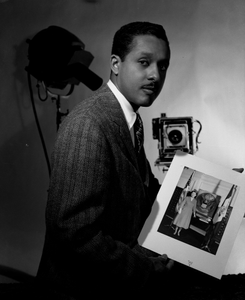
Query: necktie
(139,133)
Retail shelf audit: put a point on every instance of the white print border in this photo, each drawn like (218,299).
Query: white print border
(178,250)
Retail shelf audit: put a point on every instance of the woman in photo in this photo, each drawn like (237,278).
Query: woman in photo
(187,207)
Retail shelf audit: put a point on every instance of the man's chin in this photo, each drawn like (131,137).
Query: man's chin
(147,102)
(143,103)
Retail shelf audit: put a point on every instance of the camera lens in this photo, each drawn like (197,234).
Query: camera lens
(175,136)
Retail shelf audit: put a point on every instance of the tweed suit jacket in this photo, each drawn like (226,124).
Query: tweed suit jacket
(100,195)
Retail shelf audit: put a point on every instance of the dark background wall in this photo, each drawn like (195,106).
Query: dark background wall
(205,80)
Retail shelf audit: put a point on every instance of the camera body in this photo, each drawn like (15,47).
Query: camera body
(172,134)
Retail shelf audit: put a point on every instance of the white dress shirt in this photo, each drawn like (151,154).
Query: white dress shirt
(128,111)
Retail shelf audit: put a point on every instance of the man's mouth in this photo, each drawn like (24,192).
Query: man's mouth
(150,89)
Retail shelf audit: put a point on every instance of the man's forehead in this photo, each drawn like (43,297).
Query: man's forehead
(148,45)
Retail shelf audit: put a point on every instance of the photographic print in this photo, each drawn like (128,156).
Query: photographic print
(197,214)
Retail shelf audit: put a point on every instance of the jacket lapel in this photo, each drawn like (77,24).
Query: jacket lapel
(120,127)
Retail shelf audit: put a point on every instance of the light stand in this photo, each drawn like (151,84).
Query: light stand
(59,114)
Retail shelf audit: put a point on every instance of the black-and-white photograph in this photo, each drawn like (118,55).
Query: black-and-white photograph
(98,98)
(197,214)
(199,210)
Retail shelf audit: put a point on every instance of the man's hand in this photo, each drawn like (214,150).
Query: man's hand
(162,263)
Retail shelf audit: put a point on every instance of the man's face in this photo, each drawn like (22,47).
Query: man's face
(140,77)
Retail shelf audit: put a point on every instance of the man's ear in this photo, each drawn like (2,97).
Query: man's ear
(115,63)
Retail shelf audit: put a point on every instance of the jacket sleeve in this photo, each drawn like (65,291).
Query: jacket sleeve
(154,185)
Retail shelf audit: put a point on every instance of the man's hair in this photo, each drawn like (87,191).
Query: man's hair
(123,38)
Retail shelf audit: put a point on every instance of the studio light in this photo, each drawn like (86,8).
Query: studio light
(58,58)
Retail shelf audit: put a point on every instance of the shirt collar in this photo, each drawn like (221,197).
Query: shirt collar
(128,111)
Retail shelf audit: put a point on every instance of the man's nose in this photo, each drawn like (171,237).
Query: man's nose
(154,74)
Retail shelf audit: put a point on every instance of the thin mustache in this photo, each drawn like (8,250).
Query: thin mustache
(150,85)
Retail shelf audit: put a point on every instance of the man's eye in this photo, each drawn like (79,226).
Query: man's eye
(163,67)
(144,62)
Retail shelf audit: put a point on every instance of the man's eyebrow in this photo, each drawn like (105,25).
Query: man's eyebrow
(145,54)
(149,54)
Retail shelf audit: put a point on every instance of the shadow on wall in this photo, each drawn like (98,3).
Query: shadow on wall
(23,171)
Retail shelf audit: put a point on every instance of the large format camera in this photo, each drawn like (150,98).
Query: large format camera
(174,134)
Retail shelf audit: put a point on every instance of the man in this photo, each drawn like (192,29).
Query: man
(102,188)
